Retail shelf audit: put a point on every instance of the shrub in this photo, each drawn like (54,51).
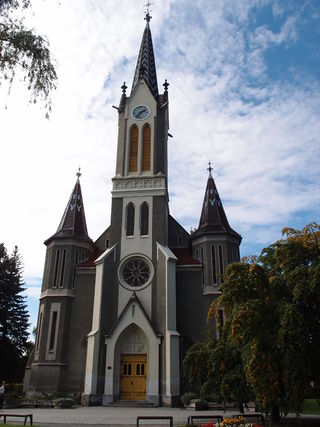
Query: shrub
(64,402)
(201,405)
(187,397)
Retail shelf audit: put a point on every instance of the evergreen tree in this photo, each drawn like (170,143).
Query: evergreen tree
(13,316)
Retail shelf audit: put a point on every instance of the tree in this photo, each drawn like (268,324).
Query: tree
(273,309)
(21,49)
(13,316)
(270,343)
(217,366)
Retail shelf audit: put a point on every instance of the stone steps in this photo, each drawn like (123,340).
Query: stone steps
(132,404)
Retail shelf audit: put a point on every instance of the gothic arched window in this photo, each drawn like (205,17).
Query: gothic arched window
(130,220)
(221,263)
(213,262)
(133,154)
(144,219)
(146,148)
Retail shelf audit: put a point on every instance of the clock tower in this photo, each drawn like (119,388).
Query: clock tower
(137,281)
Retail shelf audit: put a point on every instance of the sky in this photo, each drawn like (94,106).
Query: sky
(244,93)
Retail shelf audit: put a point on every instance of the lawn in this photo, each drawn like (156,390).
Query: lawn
(311,406)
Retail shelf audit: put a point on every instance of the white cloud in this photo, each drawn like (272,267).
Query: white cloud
(262,138)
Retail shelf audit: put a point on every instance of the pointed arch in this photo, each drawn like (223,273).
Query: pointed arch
(144,219)
(213,263)
(130,220)
(146,148)
(133,149)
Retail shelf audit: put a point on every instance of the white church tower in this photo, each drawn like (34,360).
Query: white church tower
(134,313)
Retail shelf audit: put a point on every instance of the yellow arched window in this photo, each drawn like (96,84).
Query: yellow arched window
(146,148)
(133,156)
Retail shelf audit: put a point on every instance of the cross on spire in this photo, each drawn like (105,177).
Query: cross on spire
(209,168)
(79,172)
(148,16)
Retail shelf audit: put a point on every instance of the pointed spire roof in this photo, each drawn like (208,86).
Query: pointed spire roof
(73,223)
(213,218)
(146,66)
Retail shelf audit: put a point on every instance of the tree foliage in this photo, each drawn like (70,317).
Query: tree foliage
(25,53)
(272,305)
(13,316)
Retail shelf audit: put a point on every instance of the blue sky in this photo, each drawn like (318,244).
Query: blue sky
(244,92)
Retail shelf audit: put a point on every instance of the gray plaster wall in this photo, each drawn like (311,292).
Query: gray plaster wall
(80,326)
(159,316)
(160,143)
(109,312)
(116,222)
(192,306)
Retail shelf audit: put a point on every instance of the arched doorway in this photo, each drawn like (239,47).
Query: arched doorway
(132,351)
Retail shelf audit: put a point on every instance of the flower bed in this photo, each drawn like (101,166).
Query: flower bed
(231,422)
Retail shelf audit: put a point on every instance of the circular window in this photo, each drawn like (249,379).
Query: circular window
(135,272)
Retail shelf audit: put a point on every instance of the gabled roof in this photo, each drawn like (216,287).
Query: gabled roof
(146,67)
(135,299)
(213,218)
(73,222)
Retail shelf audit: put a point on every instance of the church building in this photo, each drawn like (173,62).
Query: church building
(117,314)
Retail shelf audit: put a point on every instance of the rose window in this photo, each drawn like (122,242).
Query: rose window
(135,272)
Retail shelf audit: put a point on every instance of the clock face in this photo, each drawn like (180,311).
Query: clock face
(140,112)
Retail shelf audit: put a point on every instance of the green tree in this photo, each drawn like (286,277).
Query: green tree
(272,305)
(23,51)
(216,366)
(13,316)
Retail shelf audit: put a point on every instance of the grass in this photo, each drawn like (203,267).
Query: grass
(311,406)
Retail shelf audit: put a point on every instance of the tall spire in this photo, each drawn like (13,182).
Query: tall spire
(146,67)
(213,218)
(73,222)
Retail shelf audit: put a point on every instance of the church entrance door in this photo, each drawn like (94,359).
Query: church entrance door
(133,377)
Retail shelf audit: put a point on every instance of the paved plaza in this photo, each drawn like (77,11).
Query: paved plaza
(102,416)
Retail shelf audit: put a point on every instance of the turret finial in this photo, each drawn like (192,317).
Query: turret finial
(124,87)
(79,172)
(148,16)
(165,85)
(209,168)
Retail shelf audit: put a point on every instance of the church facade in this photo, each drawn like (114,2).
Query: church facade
(117,315)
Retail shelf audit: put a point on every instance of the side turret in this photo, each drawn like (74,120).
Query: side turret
(215,244)
(60,294)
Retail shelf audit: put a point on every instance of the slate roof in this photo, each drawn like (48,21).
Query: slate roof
(146,66)
(213,218)
(73,222)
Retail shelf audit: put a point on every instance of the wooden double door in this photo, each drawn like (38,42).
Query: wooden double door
(133,377)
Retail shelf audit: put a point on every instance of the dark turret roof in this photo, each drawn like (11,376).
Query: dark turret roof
(213,218)
(146,66)
(73,223)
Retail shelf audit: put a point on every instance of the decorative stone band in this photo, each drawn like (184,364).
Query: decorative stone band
(57,292)
(141,183)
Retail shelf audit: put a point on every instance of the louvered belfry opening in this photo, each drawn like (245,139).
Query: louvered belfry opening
(146,149)
(133,155)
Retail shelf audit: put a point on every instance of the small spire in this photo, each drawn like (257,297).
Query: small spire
(146,67)
(124,87)
(78,174)
(165,85)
